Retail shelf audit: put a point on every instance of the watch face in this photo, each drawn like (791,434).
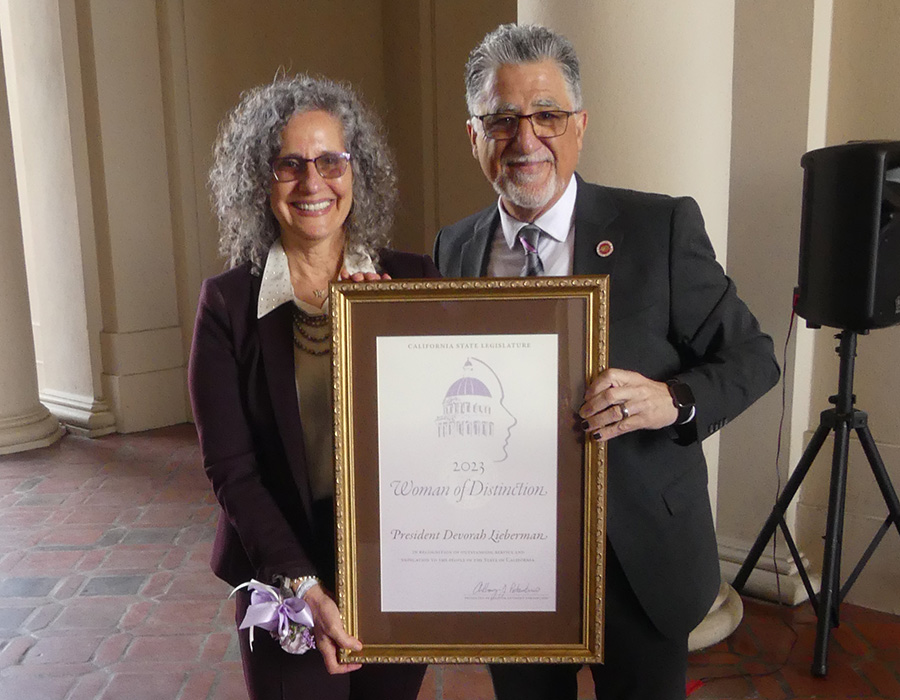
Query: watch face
(682,394)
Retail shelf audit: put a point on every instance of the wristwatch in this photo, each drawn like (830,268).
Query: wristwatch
(683,398)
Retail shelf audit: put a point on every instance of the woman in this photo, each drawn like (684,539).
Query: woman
(303,188)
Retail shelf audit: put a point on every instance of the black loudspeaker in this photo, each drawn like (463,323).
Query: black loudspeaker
(850,236)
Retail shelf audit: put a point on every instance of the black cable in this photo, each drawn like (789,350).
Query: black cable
(784,365)
(708,679)
(779,601)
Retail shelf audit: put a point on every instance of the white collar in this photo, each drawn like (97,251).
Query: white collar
(275,288)
(556,221)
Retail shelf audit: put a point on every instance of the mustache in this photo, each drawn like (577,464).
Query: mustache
(525,160)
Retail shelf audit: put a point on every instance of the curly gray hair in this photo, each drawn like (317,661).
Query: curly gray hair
(250,137)
(513,44)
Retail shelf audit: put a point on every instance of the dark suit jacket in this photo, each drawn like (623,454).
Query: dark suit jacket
(241,378)
(673,313)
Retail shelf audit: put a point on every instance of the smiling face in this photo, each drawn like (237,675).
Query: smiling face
(529,173)
(312,208)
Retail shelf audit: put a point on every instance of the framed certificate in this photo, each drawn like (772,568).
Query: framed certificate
(470,507)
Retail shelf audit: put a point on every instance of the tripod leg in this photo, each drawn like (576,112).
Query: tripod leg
(781,506)
(881,475)
(828,596)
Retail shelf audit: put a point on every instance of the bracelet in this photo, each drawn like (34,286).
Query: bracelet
(302,584)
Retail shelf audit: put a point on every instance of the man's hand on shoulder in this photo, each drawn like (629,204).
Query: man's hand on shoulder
(619,401)
(363,276)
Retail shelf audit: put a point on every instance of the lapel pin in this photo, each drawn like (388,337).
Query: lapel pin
(605,249)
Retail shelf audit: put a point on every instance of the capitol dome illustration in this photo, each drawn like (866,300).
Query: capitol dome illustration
(467,408)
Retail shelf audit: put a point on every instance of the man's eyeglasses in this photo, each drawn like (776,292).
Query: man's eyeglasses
(328,165)
(505,125)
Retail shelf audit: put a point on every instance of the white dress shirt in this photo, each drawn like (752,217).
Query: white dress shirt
(275,288)
(556,249)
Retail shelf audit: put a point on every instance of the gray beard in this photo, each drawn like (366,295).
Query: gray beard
(523,196)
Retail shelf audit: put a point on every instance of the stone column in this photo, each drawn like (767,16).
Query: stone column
(143,357)
(657,83)
(46,107)
(24,422)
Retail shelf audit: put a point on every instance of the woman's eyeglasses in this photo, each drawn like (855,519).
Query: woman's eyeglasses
(329,165)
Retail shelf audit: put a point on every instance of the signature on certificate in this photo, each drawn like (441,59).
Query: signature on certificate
(503,591)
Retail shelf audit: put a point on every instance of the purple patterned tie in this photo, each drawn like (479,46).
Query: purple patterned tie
(529,236)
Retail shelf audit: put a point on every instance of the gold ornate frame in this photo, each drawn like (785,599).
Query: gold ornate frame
(577,310)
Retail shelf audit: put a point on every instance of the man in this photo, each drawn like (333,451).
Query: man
(686,355)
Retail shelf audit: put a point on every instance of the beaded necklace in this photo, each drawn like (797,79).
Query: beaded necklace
(312,332)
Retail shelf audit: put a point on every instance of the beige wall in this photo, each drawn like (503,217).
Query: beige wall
(461,187)
(410,116)
(864,103)
(426,44)
(774,74)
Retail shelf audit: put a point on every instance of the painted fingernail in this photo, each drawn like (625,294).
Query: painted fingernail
(596,436)
(585,424)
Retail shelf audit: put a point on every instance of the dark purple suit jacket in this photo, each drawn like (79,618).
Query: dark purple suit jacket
(241,379)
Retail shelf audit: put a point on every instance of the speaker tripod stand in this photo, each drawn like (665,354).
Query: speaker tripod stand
(841,419)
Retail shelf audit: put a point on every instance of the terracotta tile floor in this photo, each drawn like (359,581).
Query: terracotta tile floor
(105,594)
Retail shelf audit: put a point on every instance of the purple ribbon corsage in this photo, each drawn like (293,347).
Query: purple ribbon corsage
(287,619)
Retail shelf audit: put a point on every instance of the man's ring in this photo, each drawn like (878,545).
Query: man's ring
(624,409)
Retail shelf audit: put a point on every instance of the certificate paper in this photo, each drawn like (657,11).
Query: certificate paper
(467,452)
